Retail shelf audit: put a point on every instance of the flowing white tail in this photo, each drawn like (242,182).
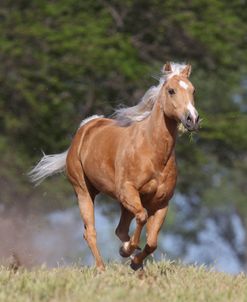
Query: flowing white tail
(47,166)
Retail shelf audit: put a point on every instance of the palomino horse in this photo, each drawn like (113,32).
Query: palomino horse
(131,158)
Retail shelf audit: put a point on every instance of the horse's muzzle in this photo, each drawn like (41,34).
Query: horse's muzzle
(191,122)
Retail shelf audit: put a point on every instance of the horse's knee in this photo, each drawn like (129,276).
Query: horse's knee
(142,217)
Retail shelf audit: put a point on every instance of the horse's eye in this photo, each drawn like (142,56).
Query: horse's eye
(171,91)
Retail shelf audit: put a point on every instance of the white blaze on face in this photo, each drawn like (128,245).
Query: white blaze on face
(183,84)
(192,111)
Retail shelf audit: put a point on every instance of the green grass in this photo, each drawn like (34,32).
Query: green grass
(161,281)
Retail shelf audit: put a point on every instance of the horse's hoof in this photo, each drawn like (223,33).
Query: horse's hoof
(100,268)
(123,253)
(136,266)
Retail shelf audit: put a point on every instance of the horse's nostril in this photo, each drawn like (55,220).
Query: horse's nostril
(197,119)
(189,119)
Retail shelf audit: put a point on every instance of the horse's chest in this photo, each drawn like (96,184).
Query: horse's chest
(159,189)
(161,186)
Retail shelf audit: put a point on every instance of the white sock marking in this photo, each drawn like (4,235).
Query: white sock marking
(126,245)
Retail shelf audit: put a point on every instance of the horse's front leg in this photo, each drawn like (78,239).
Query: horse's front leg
(154,224)
(122,230)
(130,199)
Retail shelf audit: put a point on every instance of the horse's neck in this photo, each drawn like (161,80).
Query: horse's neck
(162,132)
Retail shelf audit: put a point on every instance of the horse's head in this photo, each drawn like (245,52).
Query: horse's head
(178,97)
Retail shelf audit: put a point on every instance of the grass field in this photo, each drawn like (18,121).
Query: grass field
(161,281)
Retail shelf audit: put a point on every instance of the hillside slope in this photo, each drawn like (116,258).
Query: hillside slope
(161,281)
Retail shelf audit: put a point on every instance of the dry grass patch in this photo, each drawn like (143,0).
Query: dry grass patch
(161,281)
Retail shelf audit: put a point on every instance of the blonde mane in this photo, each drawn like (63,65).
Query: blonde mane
(127,115)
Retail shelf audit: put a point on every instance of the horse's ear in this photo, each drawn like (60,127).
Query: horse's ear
(167,67)
(187,71)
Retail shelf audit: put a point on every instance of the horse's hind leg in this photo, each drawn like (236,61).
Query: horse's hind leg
(86,206)
(85,193)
